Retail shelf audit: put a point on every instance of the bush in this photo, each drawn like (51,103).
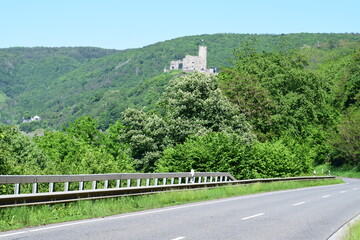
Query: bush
(229,153)
(208,153)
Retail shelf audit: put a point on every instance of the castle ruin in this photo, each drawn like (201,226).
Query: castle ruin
(192,63)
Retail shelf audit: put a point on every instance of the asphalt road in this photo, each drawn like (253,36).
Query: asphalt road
(301,214)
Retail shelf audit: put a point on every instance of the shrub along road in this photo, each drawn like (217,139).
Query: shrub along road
(308,213)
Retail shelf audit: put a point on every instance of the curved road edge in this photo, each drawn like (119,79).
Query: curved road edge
(344,229)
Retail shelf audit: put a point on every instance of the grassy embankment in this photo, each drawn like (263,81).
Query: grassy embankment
(354,232)
(20,217)
(338,171)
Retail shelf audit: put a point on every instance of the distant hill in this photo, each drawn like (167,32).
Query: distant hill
(61,84)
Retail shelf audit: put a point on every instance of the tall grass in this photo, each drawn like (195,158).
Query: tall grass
(20,217)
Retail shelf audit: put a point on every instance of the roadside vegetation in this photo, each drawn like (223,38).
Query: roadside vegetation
(342,171)
(20,217)
(354,232)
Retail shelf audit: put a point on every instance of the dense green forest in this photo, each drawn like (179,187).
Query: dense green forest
(280,105)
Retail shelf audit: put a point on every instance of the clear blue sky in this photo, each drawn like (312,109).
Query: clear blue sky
(122,24)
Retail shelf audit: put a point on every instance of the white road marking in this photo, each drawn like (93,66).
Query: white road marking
(12,234)
(299,203)
(326,196)
(343,192)
(253,216)
(179,238)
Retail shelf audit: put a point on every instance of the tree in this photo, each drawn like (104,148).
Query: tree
(253,100)
(84,149)
(147,134)
(352,79)
(191,105)
(346,141)
(86,129)
(4,155)
(277,93)
(19,154)
(194,105)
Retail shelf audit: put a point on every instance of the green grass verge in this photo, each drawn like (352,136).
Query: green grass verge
(354,232)
(20,217)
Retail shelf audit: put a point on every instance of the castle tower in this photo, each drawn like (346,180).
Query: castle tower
(202,58)
(193,63)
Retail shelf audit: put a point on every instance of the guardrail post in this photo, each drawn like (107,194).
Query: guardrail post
(51,187)
(106,184)
(34,187)
(164,181)
(93,185)
(81,186)
(179,180)
(211,178)
(186,180)
(192,174)
(138,183)
(17,188)
(156,182)
(221,178)
(118,183)
(66,186)
(205,179)
(147,182)
(128,183)
(172,181)
(226,178)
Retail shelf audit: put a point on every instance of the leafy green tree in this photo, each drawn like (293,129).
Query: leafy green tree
(253,100)
(352,79)
(346,141)
(19,154)
(147,136)
(278,93)
(67,155)
(86,129)
(84,149)
(4,155)
(194,104)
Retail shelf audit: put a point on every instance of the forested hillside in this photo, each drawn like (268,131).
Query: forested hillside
(62,84)
(282,105)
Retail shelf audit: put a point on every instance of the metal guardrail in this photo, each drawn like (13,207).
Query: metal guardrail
(114,185)
(90,186)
